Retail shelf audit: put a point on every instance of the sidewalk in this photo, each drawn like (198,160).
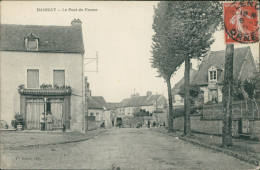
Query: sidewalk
(246,150)
(23,139)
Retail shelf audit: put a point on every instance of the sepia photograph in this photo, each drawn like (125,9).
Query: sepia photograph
(130,85)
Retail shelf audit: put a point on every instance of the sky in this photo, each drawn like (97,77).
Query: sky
(119,33)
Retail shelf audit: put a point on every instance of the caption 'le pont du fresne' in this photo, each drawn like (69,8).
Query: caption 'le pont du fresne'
(65,9)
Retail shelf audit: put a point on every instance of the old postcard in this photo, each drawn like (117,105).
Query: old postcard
(130,85)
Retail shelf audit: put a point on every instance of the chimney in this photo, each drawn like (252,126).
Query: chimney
(148,94)
(76,23)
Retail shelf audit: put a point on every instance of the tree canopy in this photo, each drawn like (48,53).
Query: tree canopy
(164,55)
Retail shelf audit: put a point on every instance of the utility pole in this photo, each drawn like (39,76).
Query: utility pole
(156,109)
(228,97)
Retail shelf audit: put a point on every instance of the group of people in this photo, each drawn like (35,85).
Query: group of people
(48,119)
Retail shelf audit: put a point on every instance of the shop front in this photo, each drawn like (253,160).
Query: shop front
(34,102)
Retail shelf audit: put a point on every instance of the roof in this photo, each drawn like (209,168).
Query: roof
(112,106)
(176,88)
(101,101)
(151,100)
(92,104)
(138,101)
(123,102)
(217,59)
(65,39)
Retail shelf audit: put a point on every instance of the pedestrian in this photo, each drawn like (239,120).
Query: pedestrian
(49,120)
(42,121)
(148,123)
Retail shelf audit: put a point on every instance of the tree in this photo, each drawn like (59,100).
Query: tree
(195,22)
(252,86)
(194,92)
(228,97)
(164,55)
(238,93)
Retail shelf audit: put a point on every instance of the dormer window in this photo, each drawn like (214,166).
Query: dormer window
(212,74)
(31,42)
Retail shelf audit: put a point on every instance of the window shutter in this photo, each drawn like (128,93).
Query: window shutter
(59,77)
(32,78)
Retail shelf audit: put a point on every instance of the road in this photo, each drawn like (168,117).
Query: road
(125,148)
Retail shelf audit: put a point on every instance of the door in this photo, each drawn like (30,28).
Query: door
(34,108)
(57,110)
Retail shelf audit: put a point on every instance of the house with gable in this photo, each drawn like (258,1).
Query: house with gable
(177,100)
(210,76)
(98,107)
(42,71)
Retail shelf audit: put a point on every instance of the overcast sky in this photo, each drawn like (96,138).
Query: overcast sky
(120,32)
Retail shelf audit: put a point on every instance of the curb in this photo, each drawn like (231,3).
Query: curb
(228,152)
(55,143)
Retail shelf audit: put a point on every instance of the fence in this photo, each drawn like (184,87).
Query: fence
(243,109)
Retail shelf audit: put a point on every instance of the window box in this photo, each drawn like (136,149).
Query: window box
(49,92)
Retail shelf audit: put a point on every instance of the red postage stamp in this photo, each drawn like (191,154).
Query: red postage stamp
(241,22)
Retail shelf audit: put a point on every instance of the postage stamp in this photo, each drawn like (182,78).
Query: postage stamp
(241,22)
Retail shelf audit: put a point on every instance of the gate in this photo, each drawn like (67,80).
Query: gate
(34,109)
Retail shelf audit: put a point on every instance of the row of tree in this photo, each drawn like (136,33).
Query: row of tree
(183,30)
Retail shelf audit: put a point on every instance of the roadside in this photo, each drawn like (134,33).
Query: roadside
(19,140)
(245,150)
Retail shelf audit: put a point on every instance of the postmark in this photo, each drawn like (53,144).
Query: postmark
(241,22)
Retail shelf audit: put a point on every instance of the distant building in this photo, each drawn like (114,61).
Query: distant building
(98,107)
(147,103)
(46,62)
(113,112)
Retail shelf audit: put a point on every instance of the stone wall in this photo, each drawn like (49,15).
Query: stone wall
(214,126)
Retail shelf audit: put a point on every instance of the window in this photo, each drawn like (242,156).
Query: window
(213,75)
(91,114)
(31,42)
(32,78)
(59,77)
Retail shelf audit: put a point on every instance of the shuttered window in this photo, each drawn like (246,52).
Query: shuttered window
(32,78)
(59,77)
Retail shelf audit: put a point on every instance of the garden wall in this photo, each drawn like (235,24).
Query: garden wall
(214,126)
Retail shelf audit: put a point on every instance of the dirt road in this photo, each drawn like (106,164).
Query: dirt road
(125,148)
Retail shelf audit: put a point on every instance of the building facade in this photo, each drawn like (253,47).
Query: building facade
(41,72)
(210,76)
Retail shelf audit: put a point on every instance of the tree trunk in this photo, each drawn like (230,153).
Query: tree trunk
(228,97)
(187,128)
(170,118)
